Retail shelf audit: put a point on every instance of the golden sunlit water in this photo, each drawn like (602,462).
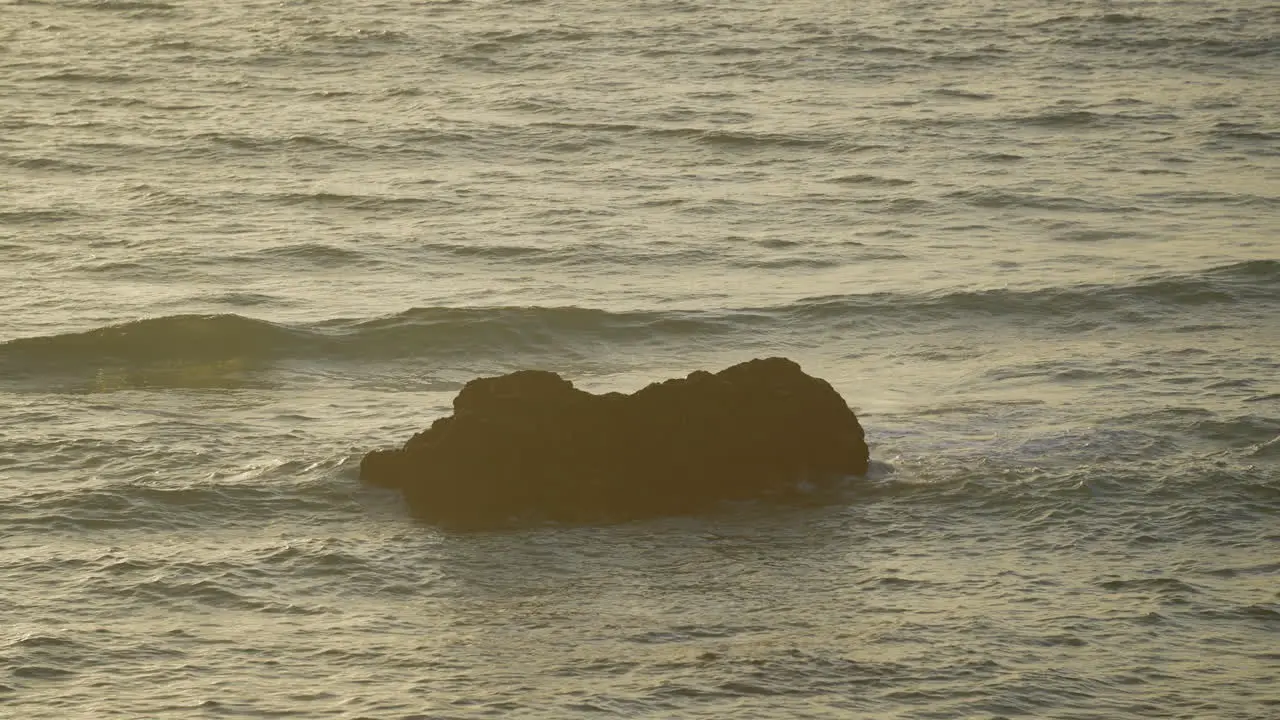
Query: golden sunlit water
(1034,245)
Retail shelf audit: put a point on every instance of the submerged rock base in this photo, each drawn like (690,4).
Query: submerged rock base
(529,446)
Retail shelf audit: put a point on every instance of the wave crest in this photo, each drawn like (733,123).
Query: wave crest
(237,342)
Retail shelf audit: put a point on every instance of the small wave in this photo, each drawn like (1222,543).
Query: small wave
(211,593)
(253,496)
(1259,47)
(1244,431)
(42,641)
(985,55)
(109,5)
(800,263)
(1217,199)
(889,50)
(15,217)
(1252,269)
(1093,235)
(490,252)
(78,76)
(1243,135)
(357,37)
(1058,20)
(871,180)
(963,94)
(535,35)
(1059,119)
(989,198)
(319,254)
(246,299)
(262,143)
(466,330)
(595,127)
(178,337)
(234,343)
(1258,612)
(898,583)
(1001,157)
(42,672)
(1159,586)
(741,139)
(1240,283)
(1122,19)
(47,163)
(1270,448)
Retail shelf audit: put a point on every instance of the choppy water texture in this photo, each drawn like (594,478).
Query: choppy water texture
(1033,244)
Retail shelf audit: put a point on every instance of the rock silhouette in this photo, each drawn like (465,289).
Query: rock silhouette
(529,446)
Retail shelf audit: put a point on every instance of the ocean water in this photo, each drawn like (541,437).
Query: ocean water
(1035,245)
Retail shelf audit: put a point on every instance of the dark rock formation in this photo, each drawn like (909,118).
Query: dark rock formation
(530,446)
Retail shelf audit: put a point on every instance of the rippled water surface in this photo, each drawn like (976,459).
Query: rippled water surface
(1034,245)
